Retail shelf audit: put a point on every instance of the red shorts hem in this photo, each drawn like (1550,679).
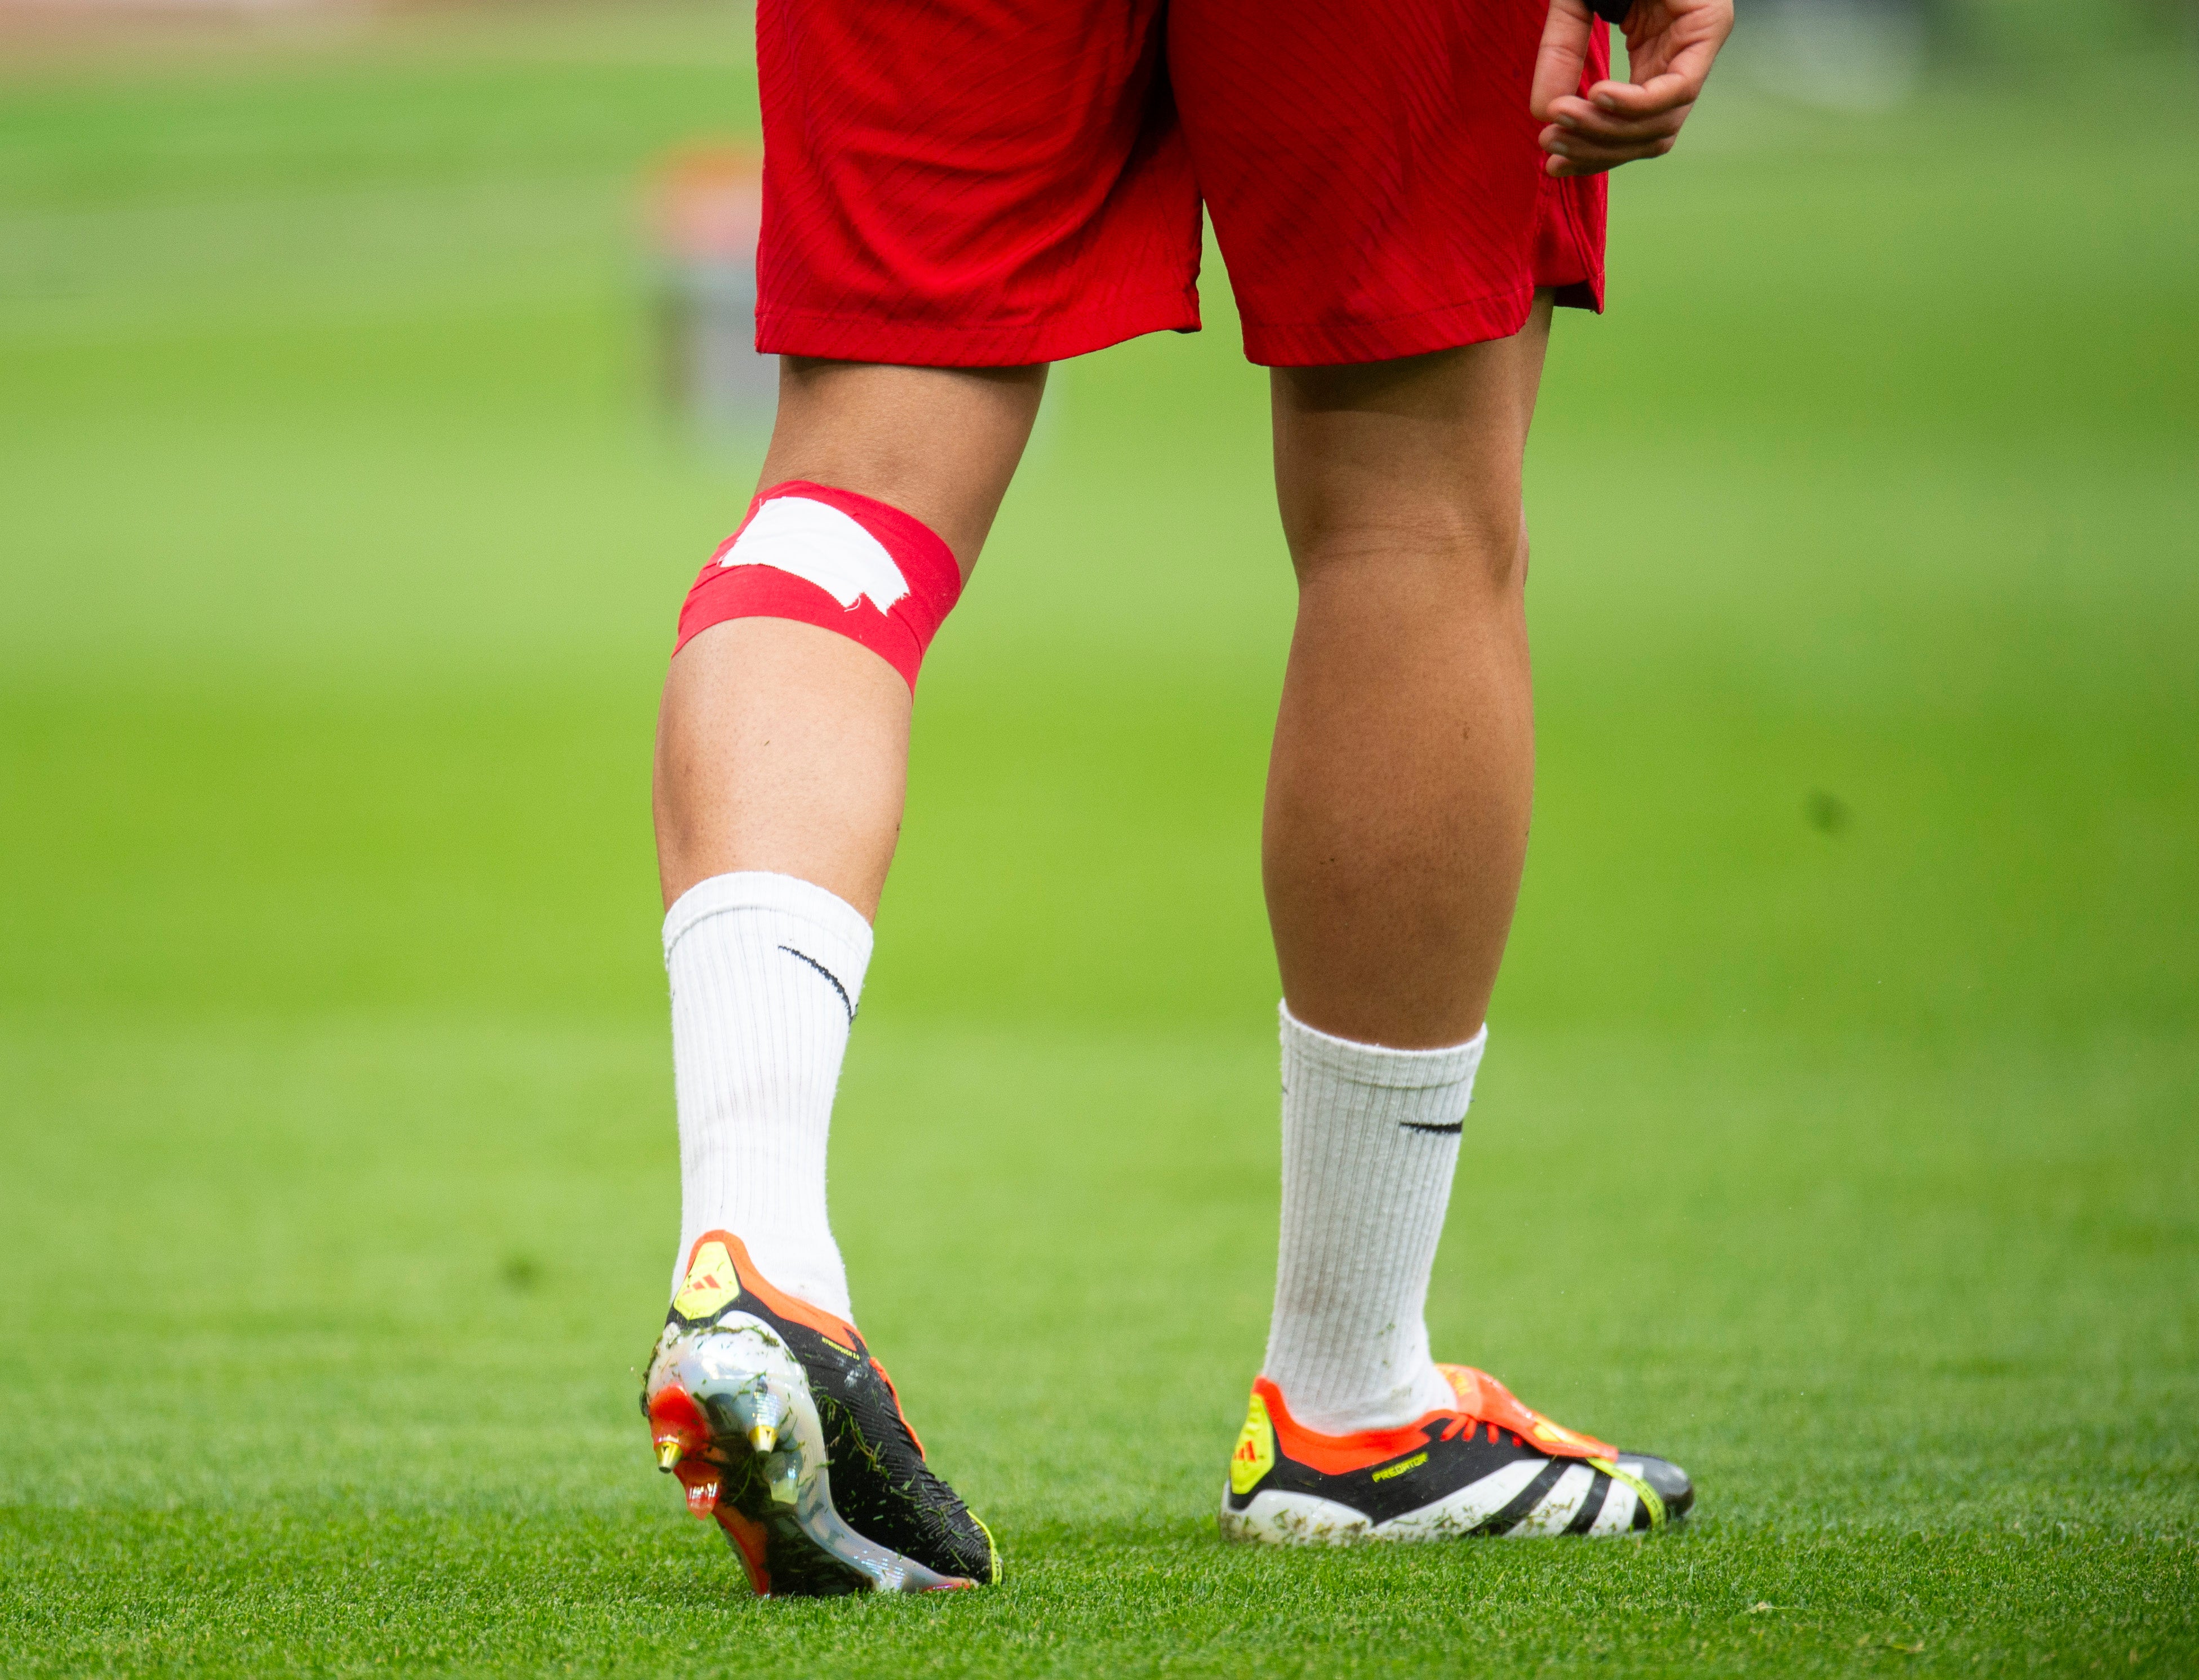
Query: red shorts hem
(1334,343)
(781,331)
(1339,343)
(1581,295)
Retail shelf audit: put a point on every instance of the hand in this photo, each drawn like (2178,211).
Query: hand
(1670,45)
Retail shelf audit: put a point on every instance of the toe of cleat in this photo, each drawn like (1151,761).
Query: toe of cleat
(1666,1479)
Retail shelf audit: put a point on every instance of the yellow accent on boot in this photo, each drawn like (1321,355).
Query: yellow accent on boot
(1642,1490)
(710,1284)
(1256,1449)
(992,1553)
(1547,1431)
(1413,1463)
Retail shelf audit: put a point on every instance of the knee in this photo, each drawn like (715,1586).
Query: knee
(1464,553)
(845,562)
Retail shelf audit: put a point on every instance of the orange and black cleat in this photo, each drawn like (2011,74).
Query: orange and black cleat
(1489,1466)
(782,1427)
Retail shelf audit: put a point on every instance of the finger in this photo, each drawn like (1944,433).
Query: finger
(1680,83)
(1578,116)
(1564,168)
(1562,56)
(1572,155)
(1621,134)
(1575,150)
(1641,99)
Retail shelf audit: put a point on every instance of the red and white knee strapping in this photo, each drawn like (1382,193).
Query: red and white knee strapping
(832,559)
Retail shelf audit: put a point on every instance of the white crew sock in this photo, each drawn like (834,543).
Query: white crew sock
(1370,1139)
(765,972)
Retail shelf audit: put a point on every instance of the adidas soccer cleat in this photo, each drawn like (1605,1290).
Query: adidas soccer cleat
(1491,1465)
(780,1425)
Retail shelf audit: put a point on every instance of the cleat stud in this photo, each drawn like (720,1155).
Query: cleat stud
(667,1455)
(784,1472)
(703,1497)
(758,1414)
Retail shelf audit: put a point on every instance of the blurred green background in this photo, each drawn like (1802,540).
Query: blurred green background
(1839,1135)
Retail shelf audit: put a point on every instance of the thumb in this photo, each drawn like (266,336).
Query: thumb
(1561,57)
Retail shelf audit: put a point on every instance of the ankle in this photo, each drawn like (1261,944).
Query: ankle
(1370,1139)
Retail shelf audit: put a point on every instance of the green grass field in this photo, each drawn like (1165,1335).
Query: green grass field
(1841,1137)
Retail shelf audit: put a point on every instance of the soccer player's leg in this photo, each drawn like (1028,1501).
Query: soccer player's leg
(1396,829)
(1407,342)
(930,241)
(781,760)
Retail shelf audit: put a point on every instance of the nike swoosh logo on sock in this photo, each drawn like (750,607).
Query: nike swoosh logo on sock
(1405,1125)
(804,956)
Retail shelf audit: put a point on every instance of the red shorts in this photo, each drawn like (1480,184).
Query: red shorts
(988,182)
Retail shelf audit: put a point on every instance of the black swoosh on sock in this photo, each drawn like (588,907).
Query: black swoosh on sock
(804,956)
(1454,1127)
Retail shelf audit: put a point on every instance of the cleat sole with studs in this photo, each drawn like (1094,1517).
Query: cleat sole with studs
(731,1416)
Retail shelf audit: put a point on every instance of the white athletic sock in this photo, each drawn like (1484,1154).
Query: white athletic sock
(766,972)
(1370,1139)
